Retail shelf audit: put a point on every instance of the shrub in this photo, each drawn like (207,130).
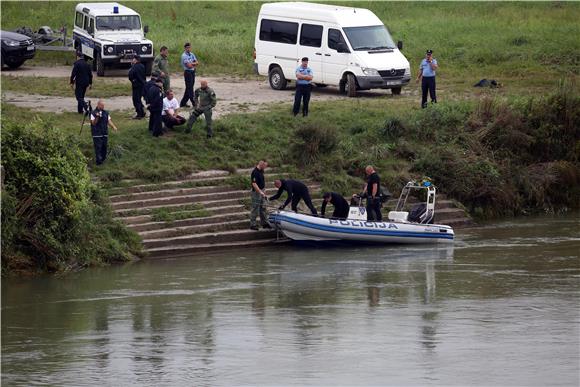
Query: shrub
(312,141)
(54,215)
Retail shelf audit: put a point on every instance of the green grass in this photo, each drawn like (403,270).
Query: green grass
(59,87)
(472,40)
(166,215)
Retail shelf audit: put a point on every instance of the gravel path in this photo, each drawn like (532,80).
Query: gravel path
(235,95)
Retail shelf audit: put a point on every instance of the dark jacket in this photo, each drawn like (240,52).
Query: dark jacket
(155,99)
(81,74)
(294,188)
(137,75)
(341,206)
(101,127)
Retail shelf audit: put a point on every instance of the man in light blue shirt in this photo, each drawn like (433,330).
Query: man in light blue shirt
(427,75)
(304,77)
(189,63)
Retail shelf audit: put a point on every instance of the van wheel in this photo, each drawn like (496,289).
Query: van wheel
(100,65)
(350,85)
(277,79)
(396,90)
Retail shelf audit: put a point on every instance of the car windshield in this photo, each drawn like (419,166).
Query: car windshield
(118,23)
(369,38)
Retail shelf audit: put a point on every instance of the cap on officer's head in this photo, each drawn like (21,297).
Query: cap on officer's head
(305,59)
(137,57)
(187,45)
(429,52)
(79,54)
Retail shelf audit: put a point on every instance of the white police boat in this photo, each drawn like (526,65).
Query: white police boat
(402,227)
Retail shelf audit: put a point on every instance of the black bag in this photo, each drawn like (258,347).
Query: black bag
(416,211)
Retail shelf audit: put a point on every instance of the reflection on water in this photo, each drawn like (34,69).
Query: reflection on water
(499,308)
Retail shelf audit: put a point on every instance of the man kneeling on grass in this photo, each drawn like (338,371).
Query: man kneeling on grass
(205,101)
(170,107)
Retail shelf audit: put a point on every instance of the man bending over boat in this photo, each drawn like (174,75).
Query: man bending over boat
(296,191)
(341,206)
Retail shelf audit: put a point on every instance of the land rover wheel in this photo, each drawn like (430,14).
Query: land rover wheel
(14,64)
(396,91)
(100,65)
(276,78)
(148,68)
(350,86)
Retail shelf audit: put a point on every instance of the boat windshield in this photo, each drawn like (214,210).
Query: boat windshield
(369,38)
(131,22)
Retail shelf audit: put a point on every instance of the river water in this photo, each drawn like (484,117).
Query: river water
(500,307)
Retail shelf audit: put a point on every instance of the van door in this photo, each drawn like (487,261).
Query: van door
(335,62)
(310,46)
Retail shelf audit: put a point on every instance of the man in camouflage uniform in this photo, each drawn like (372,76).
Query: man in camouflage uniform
(161,68)
(205,101)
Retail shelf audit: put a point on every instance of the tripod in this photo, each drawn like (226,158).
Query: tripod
(88,111)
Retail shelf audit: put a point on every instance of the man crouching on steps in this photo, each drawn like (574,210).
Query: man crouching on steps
(258,196)
(205,101)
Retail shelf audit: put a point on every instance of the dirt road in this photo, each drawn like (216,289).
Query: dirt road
(235,95)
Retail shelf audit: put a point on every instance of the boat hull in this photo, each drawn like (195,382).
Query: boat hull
(300,227)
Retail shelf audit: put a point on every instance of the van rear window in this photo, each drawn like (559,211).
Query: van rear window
(278,31)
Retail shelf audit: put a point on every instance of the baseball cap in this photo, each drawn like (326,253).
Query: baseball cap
(305,59)
(187,45)
(429,51)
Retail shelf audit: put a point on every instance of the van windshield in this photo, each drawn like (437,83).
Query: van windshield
(118,23)
(369,38)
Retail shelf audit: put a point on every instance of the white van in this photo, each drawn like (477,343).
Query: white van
(347,47)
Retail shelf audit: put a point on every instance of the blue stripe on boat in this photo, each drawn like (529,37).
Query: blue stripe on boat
(407,234)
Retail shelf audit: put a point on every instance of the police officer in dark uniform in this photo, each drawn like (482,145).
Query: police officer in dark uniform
(100,121)
(155,105)
(82,78)
(296,191)
(373,193)
(137,78)
(341,206)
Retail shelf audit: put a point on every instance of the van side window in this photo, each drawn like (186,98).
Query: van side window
(91,29)
(278,31)
(79,20)
(334,37)
(311,35)
(86,24)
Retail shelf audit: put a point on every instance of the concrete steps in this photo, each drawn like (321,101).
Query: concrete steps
(208,211)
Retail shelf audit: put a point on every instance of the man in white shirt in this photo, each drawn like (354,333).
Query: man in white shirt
(170,107)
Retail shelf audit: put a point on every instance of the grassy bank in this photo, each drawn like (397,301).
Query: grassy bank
(531,41)
(60,87)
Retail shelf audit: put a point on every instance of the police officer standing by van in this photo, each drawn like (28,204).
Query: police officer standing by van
(100,122)
(137,78)
(427,76)
(81,78)
(304,77)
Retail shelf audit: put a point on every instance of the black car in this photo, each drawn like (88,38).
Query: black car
(16,48)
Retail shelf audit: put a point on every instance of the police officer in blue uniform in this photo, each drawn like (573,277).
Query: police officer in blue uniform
(81,78)
(427,76)
(100,122)
(189,64)
(155,105)
(137,78)
(304,77)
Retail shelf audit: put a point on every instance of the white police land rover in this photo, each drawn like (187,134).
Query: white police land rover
(111,33)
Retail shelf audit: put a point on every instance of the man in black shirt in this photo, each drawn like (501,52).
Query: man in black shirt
(137,78)
(155,106)
(296,191)
(100,122)
(373,194)
(341,206)
(258,196)
(81,77)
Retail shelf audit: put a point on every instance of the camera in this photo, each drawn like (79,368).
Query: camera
(88,109)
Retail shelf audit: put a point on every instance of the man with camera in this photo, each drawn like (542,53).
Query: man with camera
(100,122)
(81,78)
(137,78)
(427,76)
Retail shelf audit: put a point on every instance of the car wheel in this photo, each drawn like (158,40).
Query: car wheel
(15,64)
(277,79)
(350,85)
(396,90)
(148,68)
(100,65)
